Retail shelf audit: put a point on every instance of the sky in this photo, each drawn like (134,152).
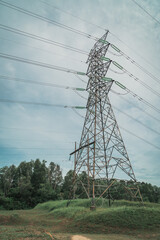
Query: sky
(50,132)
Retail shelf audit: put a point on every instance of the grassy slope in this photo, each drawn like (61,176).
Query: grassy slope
(51,205)
(127,219)
(123,214)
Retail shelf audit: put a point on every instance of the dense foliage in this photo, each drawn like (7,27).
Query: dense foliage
(29,184)
(34,182)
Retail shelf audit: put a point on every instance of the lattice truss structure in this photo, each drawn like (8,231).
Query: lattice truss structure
(101,152)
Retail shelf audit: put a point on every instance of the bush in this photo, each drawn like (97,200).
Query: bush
(68,212)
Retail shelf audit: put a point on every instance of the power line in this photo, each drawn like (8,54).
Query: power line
(37,154)
(131,133)
(139,99)
(131,75)
(40,148)
(143,100)
(2,77)
(74,110)
(80,89)
(80,79)
(40,64)
(17,31)
(40,17)
(118,93)
(66,87)
(40,49)
(133,50)
(26,129)
(42,39)
(135,63)
(136,79)
(121,52)
(136,120)
(34,129)
(141,109)
(133,94)
(68,13)
(144,140)
(40,104)
(15,58)
(45,19)
(114,47)
(157,21)
(38,140)
(75,107)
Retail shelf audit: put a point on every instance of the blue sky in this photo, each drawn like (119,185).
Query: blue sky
(29,132)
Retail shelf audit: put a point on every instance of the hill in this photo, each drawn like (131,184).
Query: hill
(53,220)
(123,214)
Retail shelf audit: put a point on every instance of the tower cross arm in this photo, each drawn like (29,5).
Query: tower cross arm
(86,145)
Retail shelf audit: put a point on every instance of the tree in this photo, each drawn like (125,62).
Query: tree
(34,182)
(54,175)
(67,185)
(7,178)
(39,175)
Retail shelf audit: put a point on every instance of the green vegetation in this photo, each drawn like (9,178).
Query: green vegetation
(28,184)
(101,203)
(124,220)
(130,217)
(34,182)
(52,205)
(121,214)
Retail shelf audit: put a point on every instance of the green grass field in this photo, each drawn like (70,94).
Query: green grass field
(53,220)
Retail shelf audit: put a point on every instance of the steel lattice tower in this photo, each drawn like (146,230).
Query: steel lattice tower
(101,150)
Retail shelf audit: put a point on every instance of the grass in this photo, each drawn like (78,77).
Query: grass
(70,212)
(124,220)
(51,205)
(124,217)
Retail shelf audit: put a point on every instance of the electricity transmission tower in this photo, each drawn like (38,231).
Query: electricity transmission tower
(101,153)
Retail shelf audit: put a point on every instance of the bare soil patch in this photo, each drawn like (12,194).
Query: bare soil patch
(78,237)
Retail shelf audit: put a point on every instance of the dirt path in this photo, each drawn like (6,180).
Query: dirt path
(78,237)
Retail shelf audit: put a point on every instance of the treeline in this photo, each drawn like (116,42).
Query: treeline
(34,182)
(30,183)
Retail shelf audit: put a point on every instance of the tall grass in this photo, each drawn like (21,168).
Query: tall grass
(101,203)
(130,217)
(52,205)
(122,213)
(69,212)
